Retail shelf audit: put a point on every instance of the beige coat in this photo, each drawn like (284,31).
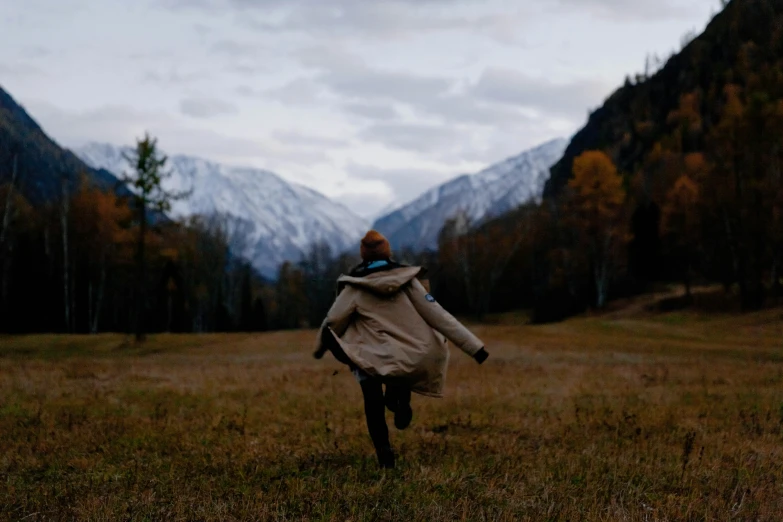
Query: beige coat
(389,326)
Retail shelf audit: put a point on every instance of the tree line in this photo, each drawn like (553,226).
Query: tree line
(677,178)
(706,204)
(703,204)
(698,198)
(91,260)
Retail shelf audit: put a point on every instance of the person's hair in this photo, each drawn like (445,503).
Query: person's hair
(375,247)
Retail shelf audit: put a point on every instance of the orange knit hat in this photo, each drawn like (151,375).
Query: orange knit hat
(375,247)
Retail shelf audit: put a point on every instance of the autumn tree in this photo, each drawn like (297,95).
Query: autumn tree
(146,182)
(681,225)
(101,237)
(467,251)
(480,255)
(596,208)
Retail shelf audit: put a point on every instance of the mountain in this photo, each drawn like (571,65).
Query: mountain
(282,220)
(42,165)
(490,193)
(740,42)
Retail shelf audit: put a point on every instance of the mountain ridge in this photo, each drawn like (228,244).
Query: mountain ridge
(42,164)
(489,193)
(635,116)
(281,219)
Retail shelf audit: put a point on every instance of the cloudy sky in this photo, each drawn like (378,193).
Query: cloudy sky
(368,101)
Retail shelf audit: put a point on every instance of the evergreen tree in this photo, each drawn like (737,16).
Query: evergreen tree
(146,182)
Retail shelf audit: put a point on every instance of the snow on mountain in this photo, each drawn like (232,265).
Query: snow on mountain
(492,192)
(281,220)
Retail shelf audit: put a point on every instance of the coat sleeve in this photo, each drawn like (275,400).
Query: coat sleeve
(337,320)
(442,321)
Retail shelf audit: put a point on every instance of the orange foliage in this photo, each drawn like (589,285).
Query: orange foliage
(688,114)
(596,209)
(598,188)
(100,223)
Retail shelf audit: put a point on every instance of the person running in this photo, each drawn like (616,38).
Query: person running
(391,332)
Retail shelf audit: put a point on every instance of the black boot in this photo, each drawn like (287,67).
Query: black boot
(403,414)
(386,458)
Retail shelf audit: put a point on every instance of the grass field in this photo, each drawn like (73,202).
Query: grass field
(666,417)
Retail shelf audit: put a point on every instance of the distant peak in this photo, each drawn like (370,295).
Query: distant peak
(495,190)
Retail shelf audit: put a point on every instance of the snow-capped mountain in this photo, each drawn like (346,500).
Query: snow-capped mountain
(492,192)
(280,220)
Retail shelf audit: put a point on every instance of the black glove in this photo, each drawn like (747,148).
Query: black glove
(481,356)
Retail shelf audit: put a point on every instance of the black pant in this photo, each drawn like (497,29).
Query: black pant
(375,404)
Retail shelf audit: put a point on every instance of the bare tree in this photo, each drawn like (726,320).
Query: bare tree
(482,255)
(64,211)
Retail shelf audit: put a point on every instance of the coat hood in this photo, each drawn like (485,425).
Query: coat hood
(388,282)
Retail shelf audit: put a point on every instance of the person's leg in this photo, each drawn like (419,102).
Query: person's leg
(375,412)
(399,396)
(390,398)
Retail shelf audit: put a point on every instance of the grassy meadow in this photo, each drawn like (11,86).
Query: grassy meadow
(639,417)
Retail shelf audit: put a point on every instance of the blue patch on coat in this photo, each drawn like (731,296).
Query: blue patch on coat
(429,298)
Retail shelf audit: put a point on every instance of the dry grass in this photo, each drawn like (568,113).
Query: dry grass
(675,417)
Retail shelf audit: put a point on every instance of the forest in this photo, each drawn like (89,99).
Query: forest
(677,178)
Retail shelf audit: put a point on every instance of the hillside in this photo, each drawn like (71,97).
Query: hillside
(637,116)
(41,163)
(487,194)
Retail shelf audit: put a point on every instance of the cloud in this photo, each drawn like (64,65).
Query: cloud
(35,52)
(235,48)
(173,76)
(350,77)
(423,138)
(624,10)
(497,146)
(308,140)
(20,69)
(376,94)
(437,116)
(372,111)
(122,125)
(381,19)
(301,91)
(366,203)
(242,57)
(468,109)
(364,83)
(514,88)
(191,4)
(404,184)
(247,91)
(206,107)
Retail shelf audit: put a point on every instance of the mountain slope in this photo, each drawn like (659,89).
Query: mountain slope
(740,41)
(282,220)
(41,163)
(491,192)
